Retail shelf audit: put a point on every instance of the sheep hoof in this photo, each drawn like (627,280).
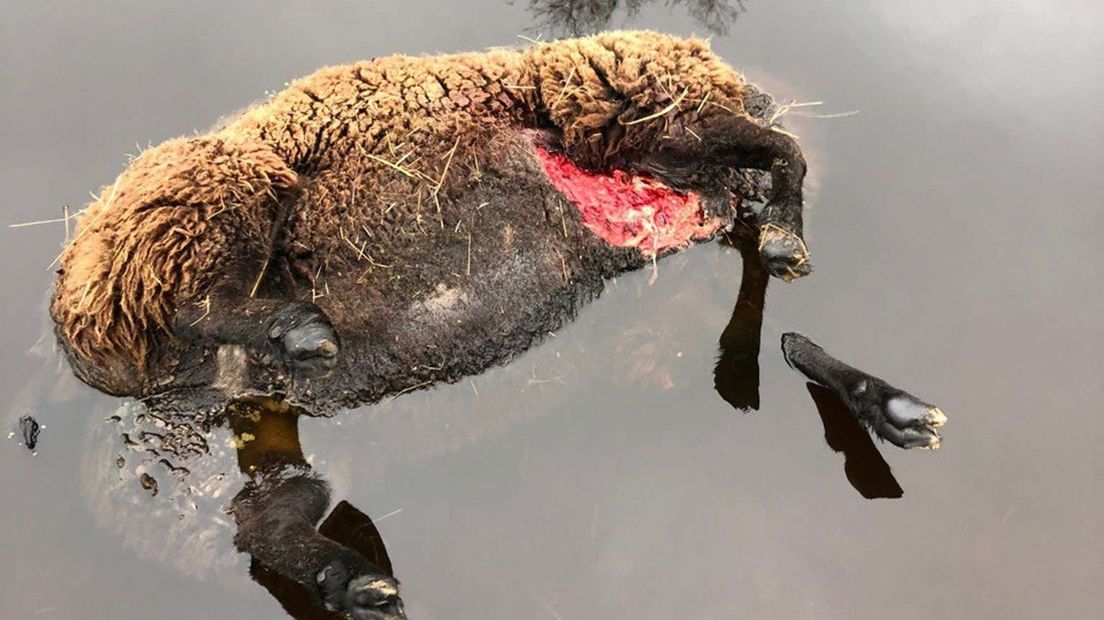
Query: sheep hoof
(304,338)
(784,253)
(893,414)
(910,423)
(375,598)
(362,597)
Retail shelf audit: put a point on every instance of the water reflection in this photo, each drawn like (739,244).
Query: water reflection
(736,378)
(863,465)
(278,497)
(343,560)
(576,17)
(165,481)
(736,375)
(345,525)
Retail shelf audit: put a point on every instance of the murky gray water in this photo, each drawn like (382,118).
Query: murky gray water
(954,224)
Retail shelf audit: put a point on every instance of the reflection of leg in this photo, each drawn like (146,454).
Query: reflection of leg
(276,514)
(736,375)
(893,414)
(863,465)
(276,517)
(355,530)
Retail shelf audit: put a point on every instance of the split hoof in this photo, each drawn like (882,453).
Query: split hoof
(304,338)
(784,253)
(893,414)
(367,596)
(374,598)
(910,423)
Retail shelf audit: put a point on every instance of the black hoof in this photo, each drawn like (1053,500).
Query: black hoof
(784,253)
(365,596)
(304,337)
(893,414)
(374,598)
(910,423)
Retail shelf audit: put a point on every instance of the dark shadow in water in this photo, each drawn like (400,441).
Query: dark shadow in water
(29,429)
(345,525)
(578,17)
(355,530)
(276,513)
(863,465)
(736,375)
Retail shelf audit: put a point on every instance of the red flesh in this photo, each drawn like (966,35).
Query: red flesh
(630,210)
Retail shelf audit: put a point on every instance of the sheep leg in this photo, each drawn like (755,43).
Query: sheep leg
(733,141)
(296,332)
(276,526)
(893,414)
(742,143)
(170,227)
(277,513)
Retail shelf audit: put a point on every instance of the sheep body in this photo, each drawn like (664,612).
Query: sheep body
(406,197)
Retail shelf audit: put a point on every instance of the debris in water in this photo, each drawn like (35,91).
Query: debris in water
(148,483)
(29,428)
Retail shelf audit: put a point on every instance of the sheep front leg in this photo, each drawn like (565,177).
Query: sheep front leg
(742,143)
(734,141)
(297,333)
(893,414)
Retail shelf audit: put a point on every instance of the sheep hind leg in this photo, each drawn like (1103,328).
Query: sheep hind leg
(297,333)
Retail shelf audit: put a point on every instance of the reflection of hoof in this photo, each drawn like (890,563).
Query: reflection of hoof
(304,338)
(783,253)
(910,423)
(863,465)
(363,597)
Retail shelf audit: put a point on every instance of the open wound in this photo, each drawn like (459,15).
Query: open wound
(630,210)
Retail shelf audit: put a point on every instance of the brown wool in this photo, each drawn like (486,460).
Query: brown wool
(349,163)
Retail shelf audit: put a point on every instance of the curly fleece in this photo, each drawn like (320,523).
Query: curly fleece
(374,147)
